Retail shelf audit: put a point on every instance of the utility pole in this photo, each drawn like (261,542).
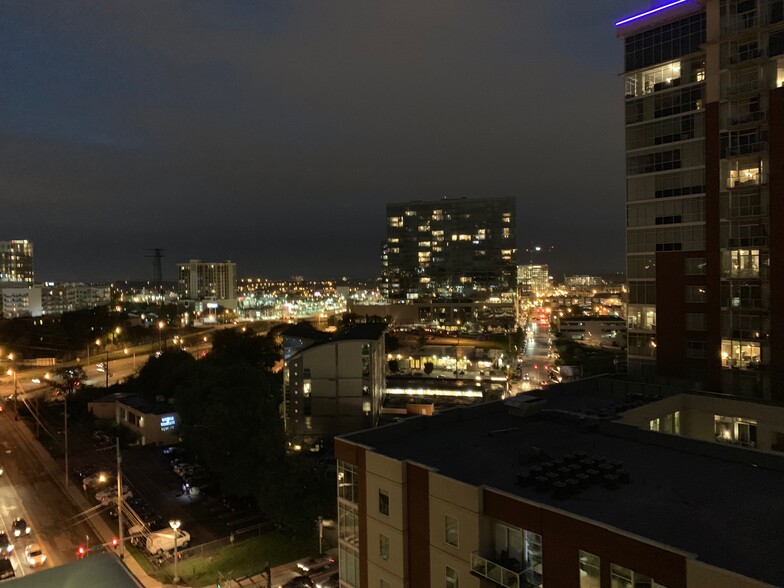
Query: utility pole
(121,544)
(65,418)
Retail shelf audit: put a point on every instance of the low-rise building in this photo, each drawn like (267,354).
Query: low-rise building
(335,384)
(594,330)
(154,421)
(551,489)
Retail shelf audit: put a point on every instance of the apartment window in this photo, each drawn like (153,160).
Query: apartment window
(590,570)
(735,430)
(383,502)
(695,294)
(383,584)
(695,349)
(348,560)
(695,321)
(621,577)
(383,547)
(452,578)
(451,530)
(347,482)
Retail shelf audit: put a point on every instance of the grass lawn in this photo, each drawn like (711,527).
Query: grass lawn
(244,558)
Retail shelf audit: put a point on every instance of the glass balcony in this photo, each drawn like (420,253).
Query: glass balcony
(505,576)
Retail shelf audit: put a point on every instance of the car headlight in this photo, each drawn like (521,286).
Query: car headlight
(17,532)
(43,558)
(27,530)
(30,560)
(10,548)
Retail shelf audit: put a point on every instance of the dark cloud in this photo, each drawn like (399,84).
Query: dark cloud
(274,132)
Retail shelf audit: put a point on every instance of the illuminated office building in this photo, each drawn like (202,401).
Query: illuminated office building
(464,247)
(704,115)
(533,279)
(16,262)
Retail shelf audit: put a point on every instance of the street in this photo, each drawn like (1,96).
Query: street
(29,490)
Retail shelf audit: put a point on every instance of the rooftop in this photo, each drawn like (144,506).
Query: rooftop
(699,497)
(140,403)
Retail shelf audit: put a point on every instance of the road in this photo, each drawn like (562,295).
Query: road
(536,357)
(29,490)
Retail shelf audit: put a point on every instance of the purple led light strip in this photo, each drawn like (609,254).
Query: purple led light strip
(649,12)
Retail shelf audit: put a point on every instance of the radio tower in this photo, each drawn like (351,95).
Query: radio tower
(156,255)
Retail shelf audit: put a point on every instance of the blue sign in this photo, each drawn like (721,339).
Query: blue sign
(167,423)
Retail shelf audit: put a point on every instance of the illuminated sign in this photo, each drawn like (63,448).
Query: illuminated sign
(212,305)
(167,423)
(649,12)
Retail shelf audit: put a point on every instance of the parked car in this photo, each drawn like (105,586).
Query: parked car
(34,555)
(98,479)
(109,495)
(315,564)
(173,451)
(20,527)
(160,541)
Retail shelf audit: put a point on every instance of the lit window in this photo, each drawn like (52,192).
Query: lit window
(590,567)
(451,530)
(383,547)
(452,579)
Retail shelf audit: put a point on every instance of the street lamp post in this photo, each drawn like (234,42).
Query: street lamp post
(175,525)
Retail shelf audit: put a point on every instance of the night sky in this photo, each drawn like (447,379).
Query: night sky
(272,133)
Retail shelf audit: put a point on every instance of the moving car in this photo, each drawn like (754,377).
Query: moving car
(20,527)
(314,564)
(332,581)
(6,547)
(299,582)
(6,569)
(34,555)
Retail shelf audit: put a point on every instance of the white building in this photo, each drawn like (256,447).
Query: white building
(336,384)
(21,301)
(198,280)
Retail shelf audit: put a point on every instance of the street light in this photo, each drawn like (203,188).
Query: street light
(12,372)
(175,525)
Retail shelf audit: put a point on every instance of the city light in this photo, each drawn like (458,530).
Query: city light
(649,12)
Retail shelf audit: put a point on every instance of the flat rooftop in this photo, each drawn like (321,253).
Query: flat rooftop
(721,503)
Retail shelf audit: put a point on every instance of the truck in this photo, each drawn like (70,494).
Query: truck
(163,540)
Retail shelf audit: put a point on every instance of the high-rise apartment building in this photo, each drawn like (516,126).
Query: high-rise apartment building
(198,280)
(464,247)
(16,262)
(704,165)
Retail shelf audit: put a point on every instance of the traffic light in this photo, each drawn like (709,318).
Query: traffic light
(115,542)
(81,552)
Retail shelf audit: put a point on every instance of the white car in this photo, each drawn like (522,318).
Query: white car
(109,495)
(34,555)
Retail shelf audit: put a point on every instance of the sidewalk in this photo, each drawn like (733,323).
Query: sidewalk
(79,500)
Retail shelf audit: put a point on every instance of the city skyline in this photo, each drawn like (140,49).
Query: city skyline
(231,133)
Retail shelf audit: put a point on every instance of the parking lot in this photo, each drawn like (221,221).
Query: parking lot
(159,494)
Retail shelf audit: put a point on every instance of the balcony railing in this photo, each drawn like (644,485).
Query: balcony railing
(504,576)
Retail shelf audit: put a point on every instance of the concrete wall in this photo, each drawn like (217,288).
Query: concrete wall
(462,501)
(702,575)
(384,473)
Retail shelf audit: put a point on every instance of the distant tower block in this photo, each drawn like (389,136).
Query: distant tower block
(157,255)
